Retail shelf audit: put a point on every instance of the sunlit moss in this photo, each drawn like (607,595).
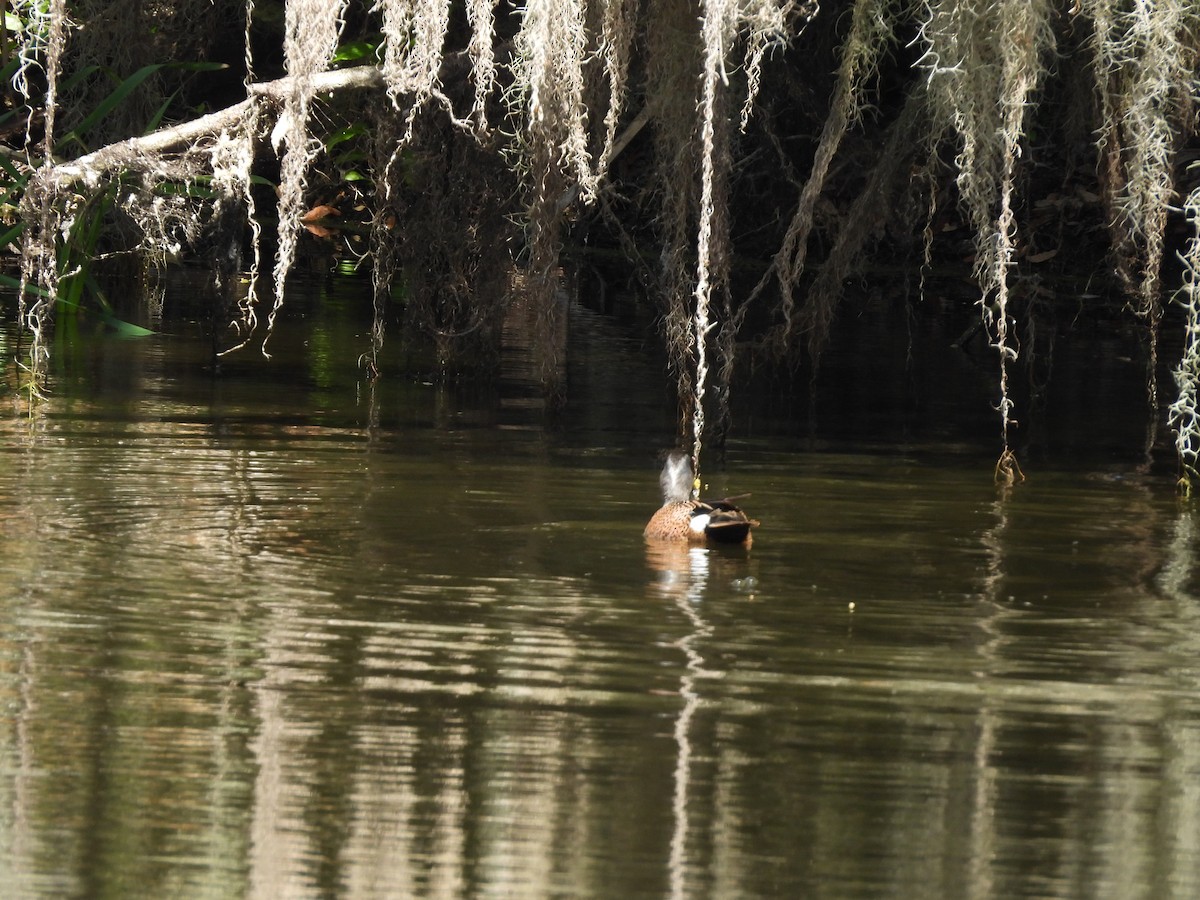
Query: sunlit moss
(545,89)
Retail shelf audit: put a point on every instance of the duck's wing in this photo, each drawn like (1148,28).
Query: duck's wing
(725,521)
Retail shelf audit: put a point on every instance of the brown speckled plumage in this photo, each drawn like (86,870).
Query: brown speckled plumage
(683,519)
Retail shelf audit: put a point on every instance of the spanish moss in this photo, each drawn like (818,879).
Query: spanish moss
(753,155)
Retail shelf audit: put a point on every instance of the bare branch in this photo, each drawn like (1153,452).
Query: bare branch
(180,137)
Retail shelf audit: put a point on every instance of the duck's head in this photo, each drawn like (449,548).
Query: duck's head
(676,479)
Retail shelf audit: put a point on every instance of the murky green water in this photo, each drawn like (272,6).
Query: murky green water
(283,635)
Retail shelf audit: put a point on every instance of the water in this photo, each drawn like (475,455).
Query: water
(282,634)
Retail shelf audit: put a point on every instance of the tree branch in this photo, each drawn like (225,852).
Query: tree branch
(185,134)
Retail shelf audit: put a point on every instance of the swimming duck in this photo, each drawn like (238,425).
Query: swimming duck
(683,519)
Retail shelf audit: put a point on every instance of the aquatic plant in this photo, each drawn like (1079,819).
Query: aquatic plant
(495,137)
(69,220)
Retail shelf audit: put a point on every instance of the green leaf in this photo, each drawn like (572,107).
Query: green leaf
(156,119)
(15,284)
(13,186)
(82,74)
(12,234)
(354,51)
(111,102)
(101,298)
(10,169)
(198,189)
(124,89)
(123,328)
(345,134)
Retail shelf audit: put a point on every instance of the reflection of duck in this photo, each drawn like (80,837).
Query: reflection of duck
(695,521)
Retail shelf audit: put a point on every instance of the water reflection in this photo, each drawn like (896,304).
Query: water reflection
(683,572)
(238,667)
(392,649)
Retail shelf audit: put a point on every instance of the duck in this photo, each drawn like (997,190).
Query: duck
(682,519)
